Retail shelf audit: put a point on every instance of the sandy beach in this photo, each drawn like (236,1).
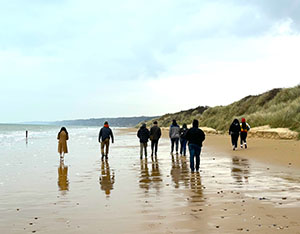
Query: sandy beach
(244,191)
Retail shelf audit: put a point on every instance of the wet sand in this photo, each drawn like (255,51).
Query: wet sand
(82,194)
(274,152)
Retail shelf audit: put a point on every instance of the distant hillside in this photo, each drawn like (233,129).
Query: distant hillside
(114,122)
(279,108)
(181,117)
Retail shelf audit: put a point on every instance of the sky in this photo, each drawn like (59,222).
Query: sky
(72,59)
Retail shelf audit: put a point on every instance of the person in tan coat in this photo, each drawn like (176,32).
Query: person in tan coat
(62,138)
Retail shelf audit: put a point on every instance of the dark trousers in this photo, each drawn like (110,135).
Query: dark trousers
(143,147)
(243,137)
(195,151)
(234,139)
(154,144)
(183,146)
(174,141)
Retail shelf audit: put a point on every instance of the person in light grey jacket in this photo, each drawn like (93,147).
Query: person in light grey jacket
(174,135)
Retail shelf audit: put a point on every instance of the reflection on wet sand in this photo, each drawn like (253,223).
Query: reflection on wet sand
(196,187)
(146,179)
(240,170)
(156,175)
(179,171)
(106,180)
(63,182)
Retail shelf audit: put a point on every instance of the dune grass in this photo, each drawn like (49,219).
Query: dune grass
(278,108)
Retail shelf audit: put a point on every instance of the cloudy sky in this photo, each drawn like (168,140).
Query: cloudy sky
(72,59)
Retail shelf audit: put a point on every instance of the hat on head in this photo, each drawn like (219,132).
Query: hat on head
(243,120)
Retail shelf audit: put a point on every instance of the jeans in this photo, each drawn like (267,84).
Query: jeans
(143,146)
(154,144)
(174,141)
(183,146)
(195,151)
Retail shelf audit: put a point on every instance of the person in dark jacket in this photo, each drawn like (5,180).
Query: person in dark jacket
(195,136)
(183,140)
(155,134)
(104,135)
(143,134)
(245,127)
(174,135)
(234,132)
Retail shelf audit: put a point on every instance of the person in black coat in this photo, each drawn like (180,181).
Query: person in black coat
(195,136)
(182,139)
(155,134)
(143,134)
(234,132)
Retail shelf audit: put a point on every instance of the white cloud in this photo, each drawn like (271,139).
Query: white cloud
(141,57)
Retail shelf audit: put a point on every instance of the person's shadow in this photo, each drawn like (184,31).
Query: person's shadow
(145,179)
(175,171)
(240,170)
(106,180)
(156,176)
(63,182)
(196,187)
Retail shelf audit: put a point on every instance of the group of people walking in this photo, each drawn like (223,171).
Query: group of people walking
(237,129)
(192,137)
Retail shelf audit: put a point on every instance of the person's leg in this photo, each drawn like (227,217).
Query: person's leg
(245,140)
(177,141)
(152,147)
(197,152)
(172,145)
(102,149)
(184,147)
(181,146)
(155,147)
(107,147)
(192,153)
(145,147)
(236,140)
(141,150)
(232,139)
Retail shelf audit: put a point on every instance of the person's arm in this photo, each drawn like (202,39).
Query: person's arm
(170,131)
(248,126)
(159,133)
(100,134)
(112,136)
(58,136)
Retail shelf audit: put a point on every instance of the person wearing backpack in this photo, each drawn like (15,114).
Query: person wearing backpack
(182,139)
(174,136)
(245,127)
